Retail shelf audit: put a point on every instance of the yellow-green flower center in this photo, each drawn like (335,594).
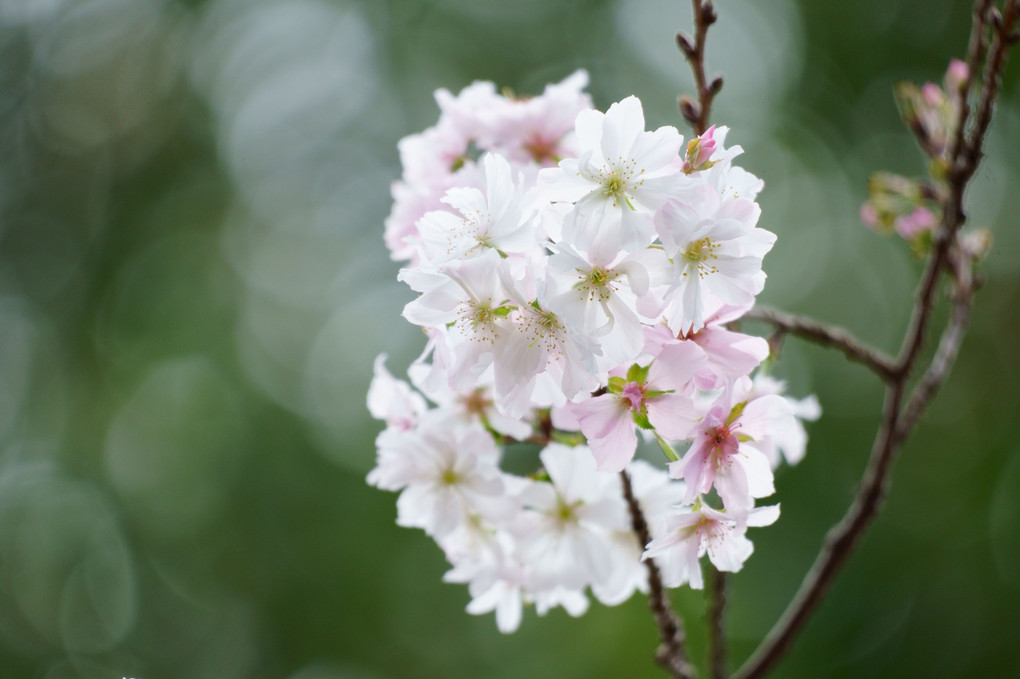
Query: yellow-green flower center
(700,254)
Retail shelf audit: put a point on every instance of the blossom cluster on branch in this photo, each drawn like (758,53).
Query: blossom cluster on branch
(576,278)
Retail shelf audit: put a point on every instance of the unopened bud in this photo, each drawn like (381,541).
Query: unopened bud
(976,243)
(932,94)
(688,109)
(916,222)
(699,151)
(716,85)
(685,45)
(869,215)
(995,18)
(907,99)
(708,15)
(956,74)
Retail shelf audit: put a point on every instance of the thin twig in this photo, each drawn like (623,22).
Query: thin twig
(671,655)
(898,420)
(698,114)
(716,623)
(949,347)
(971,153)
(829,336)
(837,547)
(975,57)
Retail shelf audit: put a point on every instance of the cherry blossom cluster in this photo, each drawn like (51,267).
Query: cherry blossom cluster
(577,276)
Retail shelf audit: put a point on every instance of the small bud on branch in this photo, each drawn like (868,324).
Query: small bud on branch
(708,15)
(685,45)
(688,109)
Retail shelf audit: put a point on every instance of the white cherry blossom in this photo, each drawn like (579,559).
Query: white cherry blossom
(621,176)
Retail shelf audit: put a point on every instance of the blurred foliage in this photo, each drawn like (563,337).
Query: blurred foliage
(193,286)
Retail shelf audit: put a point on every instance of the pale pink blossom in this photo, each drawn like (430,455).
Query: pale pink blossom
(464,301)
(543,360)
(600,293)
(729,354)
(621,176)
(540,129)
(716,250)
(659,396)
(720,457)
(497,218)
(787,443)
(569,518)
(656,494)
(455,476)
(393,400)
(689,534)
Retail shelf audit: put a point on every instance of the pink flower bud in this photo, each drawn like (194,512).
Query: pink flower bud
(932,94)
(699,151)
(956,74)
(707,147)
(920,220)
(869,215)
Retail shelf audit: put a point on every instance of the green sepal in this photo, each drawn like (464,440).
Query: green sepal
(737,411)
(637,374)
(908,96)
(641,420)
(568,438)
(921,244)
(616,385)
(938,169)
(658,392)
(667,449)
(540,475)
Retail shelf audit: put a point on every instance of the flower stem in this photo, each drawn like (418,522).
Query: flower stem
(670,655)
(716,623)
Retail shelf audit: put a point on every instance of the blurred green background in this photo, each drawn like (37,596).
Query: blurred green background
(193,285)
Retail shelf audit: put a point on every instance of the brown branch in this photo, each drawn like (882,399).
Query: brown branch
(828,336)
(975,56)
(698,114)
(949,347)
(837,547)
(716,623)
(670,655)
(898,420)
(1001,42)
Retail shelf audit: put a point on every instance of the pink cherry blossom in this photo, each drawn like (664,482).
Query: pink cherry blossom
(719,458)
(607,421)
(689,534)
